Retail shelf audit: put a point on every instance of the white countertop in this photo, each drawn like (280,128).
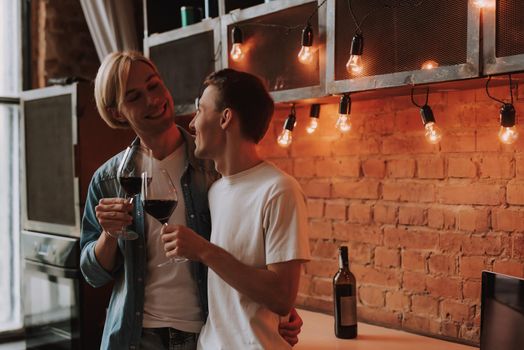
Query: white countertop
(318,334)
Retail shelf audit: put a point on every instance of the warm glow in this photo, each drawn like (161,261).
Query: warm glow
(433,133)
(429,64)
(343,123)
(236,52)
(285,138)
(313,124)
(484,4)
(305,56)
(354,65)
(508,135)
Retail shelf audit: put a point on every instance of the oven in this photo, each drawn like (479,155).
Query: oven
(52,288)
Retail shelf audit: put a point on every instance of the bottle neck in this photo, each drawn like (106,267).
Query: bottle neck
(343,261)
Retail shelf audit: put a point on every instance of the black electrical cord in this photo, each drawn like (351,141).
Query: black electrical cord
(496,99)
(413,98)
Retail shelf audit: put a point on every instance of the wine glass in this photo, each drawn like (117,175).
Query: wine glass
(160,198)
(136,160)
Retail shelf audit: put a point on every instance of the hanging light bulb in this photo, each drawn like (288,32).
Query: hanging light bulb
(430,64)
(354,64)
(286,136)
(314,113)
(508,133)
(236,50)
(433,133)
(305,56)
(483,3)
(344,109)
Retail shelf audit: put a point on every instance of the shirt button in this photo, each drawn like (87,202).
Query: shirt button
(139,279)
(132,347)
(185,185)
(138,313)
(192,216)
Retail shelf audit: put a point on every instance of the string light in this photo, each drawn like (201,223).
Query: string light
(286,136)
(354,64)
(305,56)
(314,113)
(344,109)
(432,133)
(482,4)
(508,133)
(236,50)
(430,64)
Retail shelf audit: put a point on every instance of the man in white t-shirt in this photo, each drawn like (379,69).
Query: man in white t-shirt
(259,220)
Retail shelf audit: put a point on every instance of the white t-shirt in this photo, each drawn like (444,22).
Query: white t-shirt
(171,294)
(260,217)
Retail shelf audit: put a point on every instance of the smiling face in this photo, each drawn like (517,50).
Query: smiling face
(209,135)
(147,104)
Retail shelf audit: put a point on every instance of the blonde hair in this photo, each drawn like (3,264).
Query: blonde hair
(111,81)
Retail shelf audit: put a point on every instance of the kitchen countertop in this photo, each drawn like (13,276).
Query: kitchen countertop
(318,334)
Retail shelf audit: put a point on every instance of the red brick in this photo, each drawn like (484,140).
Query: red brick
(364,189)
(430,168)
(488,141)
(456,311)
(385,214)
(518,247)
(470,333)
(441,218)
(320,229)
(330,167)
(462,167)
(408,120)
(303,167)
(324,249)
(472,266)
(355,146)
(324,304)
(458,142)
(489,244)
(449,329)
(360,253)
(413,281)
(425,305)
(412,216)
(505,219)
(374,168)
(302,147)
(519,165)
(397,301)
(357,233)
(407,145)
(321,267)
(401,168)
(419,323)
(379,316)
(360,213)
(315,208)
(473,220)
(408,192)
(445,287)
(385,257)
(440,264)
(512,268)
(416,239)
(380,277)
(414,260)
(371,296)
(497,167)
(472,289)
(336,209)
(322,287)
(471,193)
(515,193)
(316,188)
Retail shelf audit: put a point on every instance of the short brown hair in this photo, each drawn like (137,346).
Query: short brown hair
(246,94)
(111,81)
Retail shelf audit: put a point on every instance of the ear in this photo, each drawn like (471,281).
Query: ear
(226,119)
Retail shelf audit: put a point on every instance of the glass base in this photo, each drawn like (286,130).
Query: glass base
(173,261)
(127,235)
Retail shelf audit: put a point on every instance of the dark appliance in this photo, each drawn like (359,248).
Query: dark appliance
(64,142)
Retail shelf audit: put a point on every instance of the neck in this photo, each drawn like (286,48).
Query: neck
(237,157)
(163,144)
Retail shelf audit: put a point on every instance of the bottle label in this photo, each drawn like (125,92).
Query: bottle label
(348,311)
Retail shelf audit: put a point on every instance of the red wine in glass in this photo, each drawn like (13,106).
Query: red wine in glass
(160,209)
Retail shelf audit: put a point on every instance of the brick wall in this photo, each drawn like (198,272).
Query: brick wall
(421,221)
(61,43)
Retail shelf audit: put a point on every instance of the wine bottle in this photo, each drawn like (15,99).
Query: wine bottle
(345,298)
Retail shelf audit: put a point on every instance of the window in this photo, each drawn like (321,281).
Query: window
(10,78)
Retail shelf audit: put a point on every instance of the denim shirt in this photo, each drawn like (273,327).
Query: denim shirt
(123,326)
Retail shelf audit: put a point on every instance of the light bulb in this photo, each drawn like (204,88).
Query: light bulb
(433,133)
(236,52)
(508,135)
(429,64)
(343,123)
(483,3)
(285,138)
(313,124)
(354,65)
(305,56)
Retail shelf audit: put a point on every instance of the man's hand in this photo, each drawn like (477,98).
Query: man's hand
(181,241)
(289,330)
(113,214)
